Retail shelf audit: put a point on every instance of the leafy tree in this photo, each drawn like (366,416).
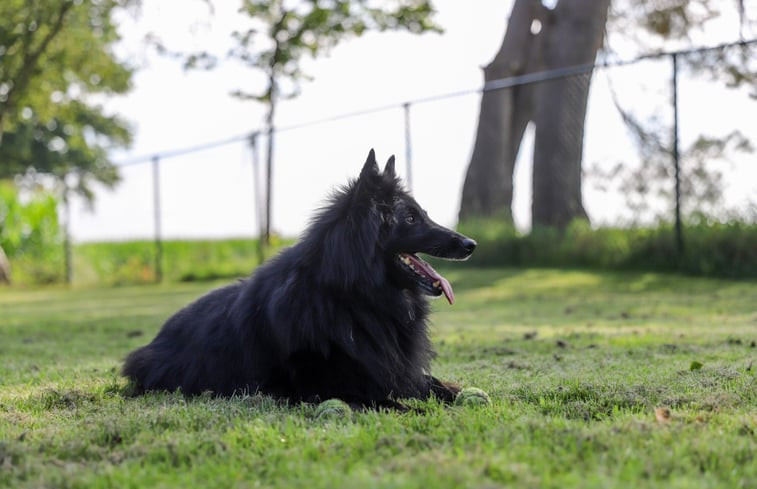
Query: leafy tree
(283,33)
(503,117)
(658,23)
(537,39)
(56,64)
(570,32)
(700,181)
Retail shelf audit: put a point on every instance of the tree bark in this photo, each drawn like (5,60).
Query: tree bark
(503,117)
(573,34)
(5,268)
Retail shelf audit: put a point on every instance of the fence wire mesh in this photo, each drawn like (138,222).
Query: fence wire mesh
(213,189)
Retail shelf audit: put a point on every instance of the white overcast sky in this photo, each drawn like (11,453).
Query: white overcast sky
(210,193)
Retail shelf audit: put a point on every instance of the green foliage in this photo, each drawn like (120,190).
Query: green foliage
(30,234)
(668,25)
(575,363)
(701,183)
(283,33)
(662,20)
(131,262)
(40,259)
(711,248)
(54,56)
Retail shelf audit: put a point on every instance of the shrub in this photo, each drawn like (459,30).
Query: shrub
(130,262)
(719,249)
(30,234)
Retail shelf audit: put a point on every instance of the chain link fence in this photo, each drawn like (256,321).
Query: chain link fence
(648,120)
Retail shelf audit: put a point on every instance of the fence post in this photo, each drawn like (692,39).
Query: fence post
(741,20)
(408,147)
(676,159)
(257,194)
(157,219)
(67,253)
(269,163)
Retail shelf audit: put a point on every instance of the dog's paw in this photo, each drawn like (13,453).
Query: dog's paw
(472,396)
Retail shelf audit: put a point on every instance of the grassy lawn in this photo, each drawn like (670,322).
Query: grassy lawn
(577,364)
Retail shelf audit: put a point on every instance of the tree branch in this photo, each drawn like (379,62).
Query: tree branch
(29,64)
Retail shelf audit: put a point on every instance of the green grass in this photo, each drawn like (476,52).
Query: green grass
(710,249)
(575,363)
(133,262)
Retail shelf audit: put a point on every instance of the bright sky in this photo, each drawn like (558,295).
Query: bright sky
(210,193)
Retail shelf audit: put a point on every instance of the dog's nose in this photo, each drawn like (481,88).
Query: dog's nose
(469,245)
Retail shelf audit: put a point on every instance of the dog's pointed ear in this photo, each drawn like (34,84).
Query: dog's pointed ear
(370,168)
(389,168)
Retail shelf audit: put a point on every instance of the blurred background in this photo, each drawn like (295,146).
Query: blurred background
(184,140)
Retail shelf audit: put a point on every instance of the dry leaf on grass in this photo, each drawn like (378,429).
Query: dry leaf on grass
(662,415)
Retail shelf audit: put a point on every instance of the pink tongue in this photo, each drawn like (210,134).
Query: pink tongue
(446,287)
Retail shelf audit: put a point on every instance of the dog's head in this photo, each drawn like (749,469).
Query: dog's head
(406,229)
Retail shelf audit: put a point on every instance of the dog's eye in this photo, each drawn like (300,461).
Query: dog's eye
(410,219)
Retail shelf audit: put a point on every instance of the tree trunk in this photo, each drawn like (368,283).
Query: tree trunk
(504,114)
(572,36)
(5,268)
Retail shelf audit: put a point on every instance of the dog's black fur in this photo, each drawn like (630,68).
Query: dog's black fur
(334,316)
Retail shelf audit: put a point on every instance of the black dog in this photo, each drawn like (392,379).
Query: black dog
(342,314)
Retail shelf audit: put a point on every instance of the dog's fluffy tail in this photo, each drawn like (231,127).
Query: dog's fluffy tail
(136,368)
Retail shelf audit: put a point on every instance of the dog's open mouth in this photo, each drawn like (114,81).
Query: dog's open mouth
(426,277)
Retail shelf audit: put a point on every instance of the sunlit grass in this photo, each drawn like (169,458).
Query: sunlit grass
(576,363)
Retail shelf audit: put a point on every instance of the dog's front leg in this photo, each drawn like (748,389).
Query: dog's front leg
(444,391)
